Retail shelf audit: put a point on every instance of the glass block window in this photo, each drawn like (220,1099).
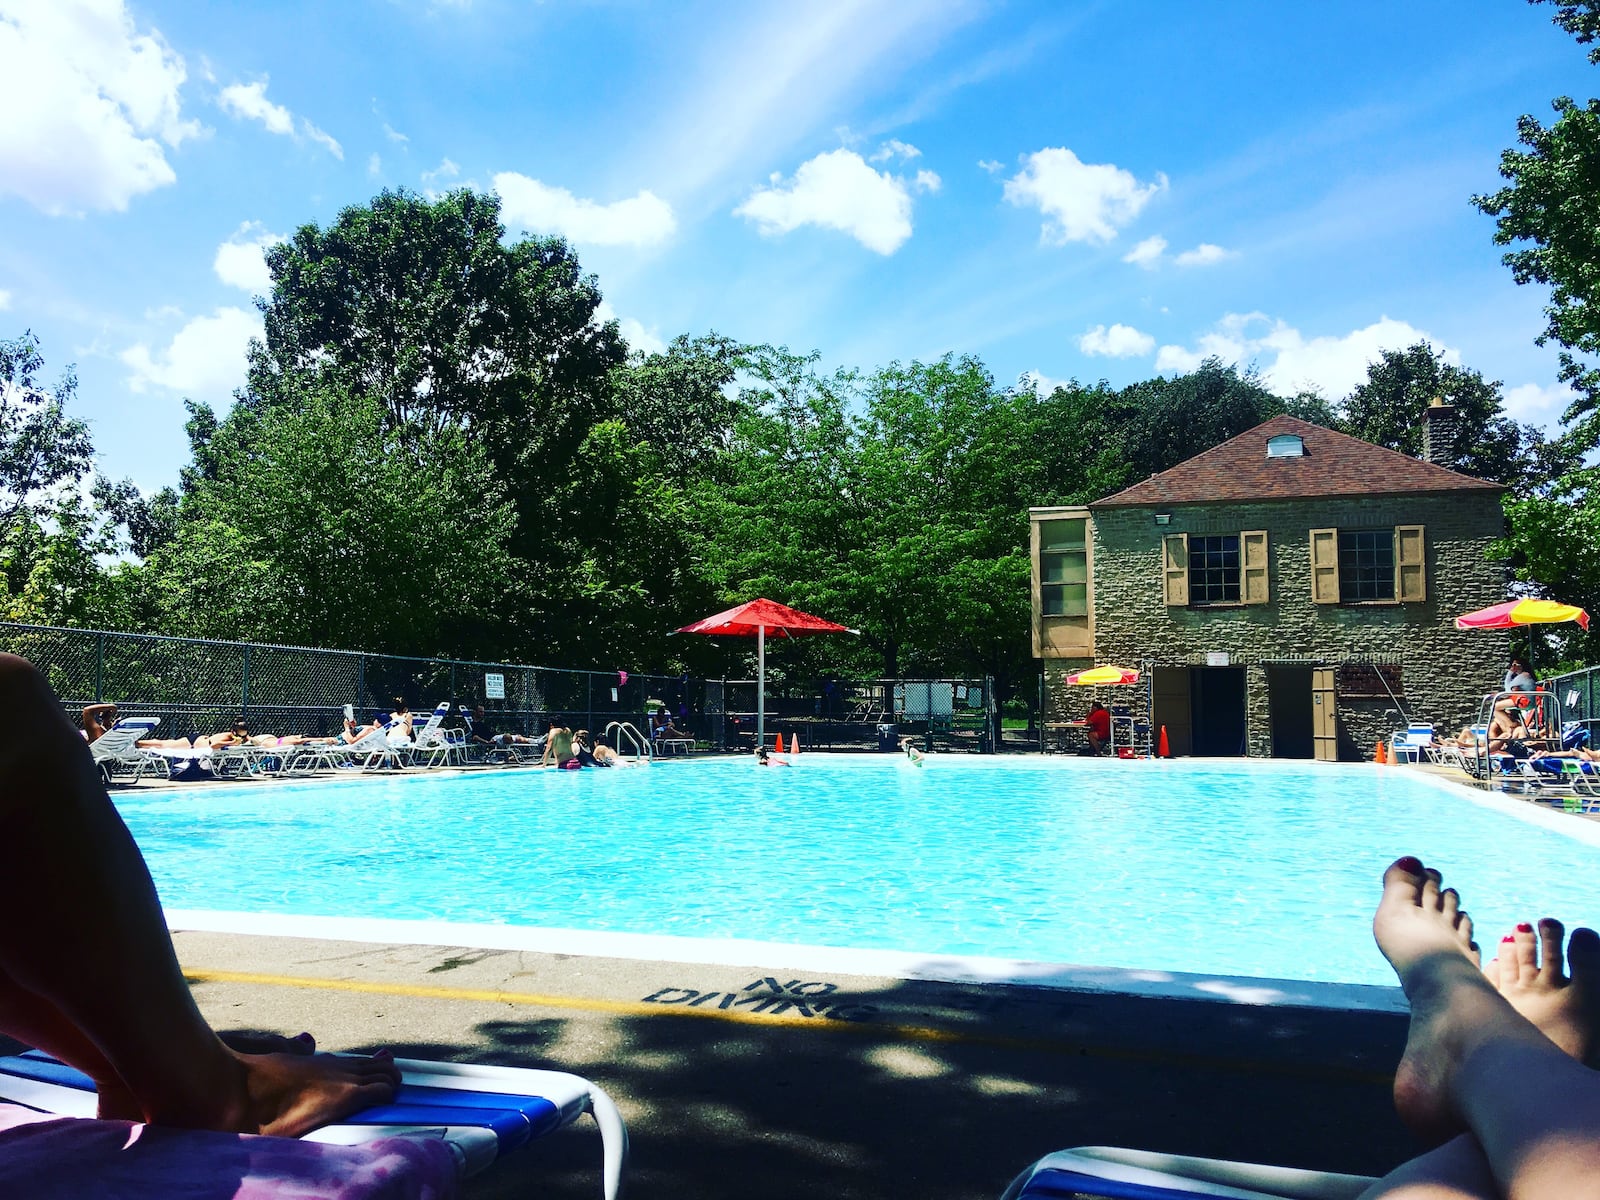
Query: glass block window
(1214,569)
(1366,564)
(1064,568)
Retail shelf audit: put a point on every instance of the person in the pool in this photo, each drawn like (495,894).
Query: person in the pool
(91,977)
(1498,1071)
(558,746)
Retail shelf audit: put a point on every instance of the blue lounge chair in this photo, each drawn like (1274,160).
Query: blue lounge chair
(480,1112)
(1103,1171)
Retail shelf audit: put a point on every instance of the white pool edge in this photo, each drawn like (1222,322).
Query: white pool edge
(741,952)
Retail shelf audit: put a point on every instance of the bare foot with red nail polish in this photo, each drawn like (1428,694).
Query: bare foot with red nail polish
(1557,989)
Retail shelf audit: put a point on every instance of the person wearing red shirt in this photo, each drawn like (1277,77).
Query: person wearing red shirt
(1098,729)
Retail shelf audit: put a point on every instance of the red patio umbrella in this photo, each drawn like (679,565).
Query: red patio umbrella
(757,619)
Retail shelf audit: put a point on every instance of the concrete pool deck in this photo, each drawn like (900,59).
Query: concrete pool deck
(761,1080)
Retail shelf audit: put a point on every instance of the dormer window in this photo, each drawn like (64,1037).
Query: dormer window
(1286,445)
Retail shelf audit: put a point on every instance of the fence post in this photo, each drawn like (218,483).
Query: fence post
(244,697)
(99,668)
(588,697)
(453,692)
(361,682)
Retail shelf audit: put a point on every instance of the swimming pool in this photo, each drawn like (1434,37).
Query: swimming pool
(1250,869)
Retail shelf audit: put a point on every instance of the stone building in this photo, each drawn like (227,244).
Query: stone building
(1285,575)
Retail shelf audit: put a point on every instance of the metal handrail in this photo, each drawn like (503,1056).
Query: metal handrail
(641,744)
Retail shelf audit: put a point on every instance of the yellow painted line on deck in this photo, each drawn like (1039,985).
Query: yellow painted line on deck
(883,1029)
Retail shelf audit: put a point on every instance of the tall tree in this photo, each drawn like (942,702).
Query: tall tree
(42,449)
(1550,211)
(1387,410)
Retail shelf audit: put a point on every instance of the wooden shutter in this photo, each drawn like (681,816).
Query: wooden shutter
(1253,562)
(1410,564)
(1175,569)
(1325,566)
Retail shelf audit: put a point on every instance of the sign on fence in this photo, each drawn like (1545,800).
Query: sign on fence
(494,685)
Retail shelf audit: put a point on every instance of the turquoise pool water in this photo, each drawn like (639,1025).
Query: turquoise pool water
(1247,869)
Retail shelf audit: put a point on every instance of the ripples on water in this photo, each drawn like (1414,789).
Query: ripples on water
(1266,869)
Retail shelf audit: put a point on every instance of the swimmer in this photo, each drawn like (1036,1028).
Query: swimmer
(765,758)
(915,755)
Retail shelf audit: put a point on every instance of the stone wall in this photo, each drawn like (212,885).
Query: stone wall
(1444,672)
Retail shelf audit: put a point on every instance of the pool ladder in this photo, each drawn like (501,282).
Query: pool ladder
(625,732)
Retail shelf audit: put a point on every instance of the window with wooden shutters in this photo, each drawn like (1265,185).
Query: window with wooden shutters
(1175,569)
(1410,564)
(1254,547)
(1325,566)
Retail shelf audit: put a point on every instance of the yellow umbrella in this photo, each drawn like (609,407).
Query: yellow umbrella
(1098,676)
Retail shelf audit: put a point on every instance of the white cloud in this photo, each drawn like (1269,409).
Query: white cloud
(5,299)
(895,148)
(205,359)
(249,101)
(633,332)
(1202,255)
(1147,254)
(991,165)
(1289,361)
(1119,341)
(240,261)
(927,181)
(1533,404)
(374,165)
(90,101)
(642,220)
(837,190)
(394,135)
(325,140)
(445,170)
(1082,202)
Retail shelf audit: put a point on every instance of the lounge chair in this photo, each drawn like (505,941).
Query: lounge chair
(1103,1171)
(440,746)
(116,751)
(479,1112)
(372,748)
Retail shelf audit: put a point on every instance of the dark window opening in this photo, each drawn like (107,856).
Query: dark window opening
(1366,564)
(1214,569)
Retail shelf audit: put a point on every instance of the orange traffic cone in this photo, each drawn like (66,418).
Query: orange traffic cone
(794,743)
(1382,754)
(1162,749)
(780,743)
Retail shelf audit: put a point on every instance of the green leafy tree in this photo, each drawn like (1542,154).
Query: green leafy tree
(1387,410)
(1550,212)
(321,525)
(42,449)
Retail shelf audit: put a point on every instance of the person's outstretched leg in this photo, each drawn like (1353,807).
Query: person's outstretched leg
(1531,974)
(85,938)
(1473,1063)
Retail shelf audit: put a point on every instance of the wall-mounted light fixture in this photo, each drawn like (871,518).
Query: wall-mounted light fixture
(1163,518)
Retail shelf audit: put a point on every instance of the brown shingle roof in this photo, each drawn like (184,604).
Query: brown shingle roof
(1334,464)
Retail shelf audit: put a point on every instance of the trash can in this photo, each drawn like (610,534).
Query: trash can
(889,738)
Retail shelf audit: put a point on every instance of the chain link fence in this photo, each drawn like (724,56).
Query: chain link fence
(199,687)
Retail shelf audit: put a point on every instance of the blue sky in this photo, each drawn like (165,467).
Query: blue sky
(1099,190)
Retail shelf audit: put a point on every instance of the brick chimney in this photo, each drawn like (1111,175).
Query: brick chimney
(1439,428)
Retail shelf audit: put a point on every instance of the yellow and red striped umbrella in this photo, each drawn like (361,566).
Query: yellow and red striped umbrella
(1516,613)
(1103,675)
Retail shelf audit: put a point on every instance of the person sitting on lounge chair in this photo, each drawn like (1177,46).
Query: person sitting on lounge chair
(662,728)
(98,720)
(484,734)
(118,1007)
(400,718)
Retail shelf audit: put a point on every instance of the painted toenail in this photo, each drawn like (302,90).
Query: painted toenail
(1507,938)
(1413,865)
(1524,927)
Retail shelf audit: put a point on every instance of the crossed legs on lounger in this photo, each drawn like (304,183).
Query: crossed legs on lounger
(90,974)
(1496,1072)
